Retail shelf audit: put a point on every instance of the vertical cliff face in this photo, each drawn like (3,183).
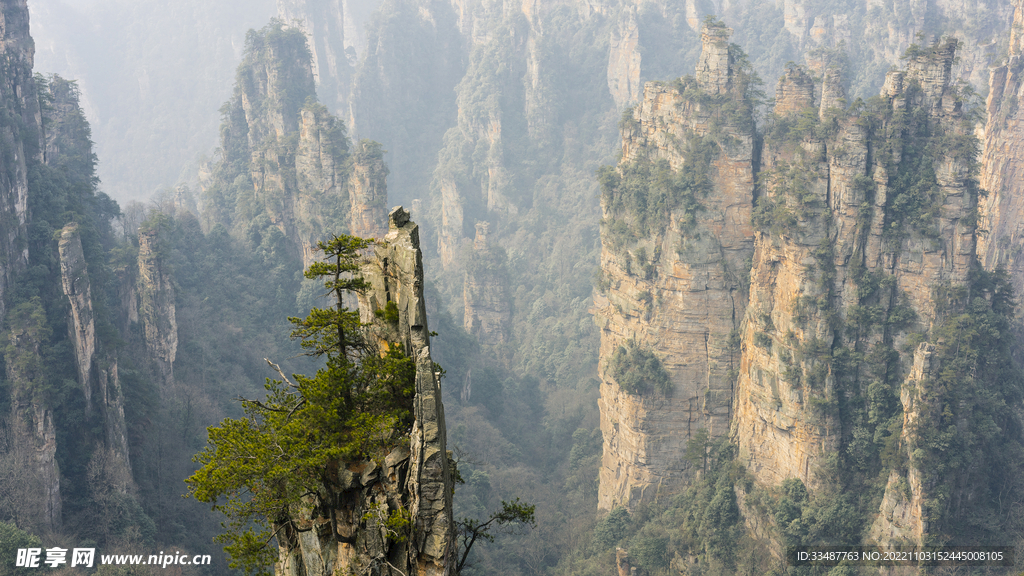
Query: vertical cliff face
(275,81)
(347,536)
(325,23)
(624,60)
(368,191)
(777,440)
(862,218)
(75,280)
(1002,211)
(33,449)
(157,304)
(111,396)
(673,287)
(486,302)
(104,381)
(21,102)
(33,476)
(813,324)
(318,189)
(941,253)
(815,29)
(514,53)
(68,147)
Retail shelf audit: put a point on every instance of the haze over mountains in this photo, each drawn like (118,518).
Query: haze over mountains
(709,278)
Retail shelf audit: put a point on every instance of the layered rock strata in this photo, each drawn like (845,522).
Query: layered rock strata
(679,291)
(347,537)
(777,437)
(861,217)
(835,223)
(1002,163)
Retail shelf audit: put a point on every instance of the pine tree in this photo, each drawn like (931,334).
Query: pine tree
(261,469)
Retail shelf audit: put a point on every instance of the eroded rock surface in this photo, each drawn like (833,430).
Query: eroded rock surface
(677,291)
(764,328)
(75,279)
(286,161)
(487,308)
(345,535)
(1002,164)
(157,304)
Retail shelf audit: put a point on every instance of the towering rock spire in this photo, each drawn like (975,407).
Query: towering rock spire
(672,288)
(158,308)
(17,52)
(343,535)
(714,68)
(486,301)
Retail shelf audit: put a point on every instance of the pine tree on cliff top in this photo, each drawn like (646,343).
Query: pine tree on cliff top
(263,469)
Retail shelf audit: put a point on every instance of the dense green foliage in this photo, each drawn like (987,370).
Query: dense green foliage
(969,448)
(259,469)
(11,539)
(639,371)
(643,194)
(701,527)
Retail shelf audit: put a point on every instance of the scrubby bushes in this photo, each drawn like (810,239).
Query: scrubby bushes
(639,371)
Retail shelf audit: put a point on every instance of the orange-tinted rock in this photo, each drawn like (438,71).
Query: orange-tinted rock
(678,292)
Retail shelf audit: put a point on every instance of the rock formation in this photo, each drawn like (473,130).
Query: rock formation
(157,304)
(890,29)
(1002,211)
(839,247)
(486,302)
(105,381)
(676,290)
(368,191)
(624,60)
(348,536)
(286,158)
(32,456)
(787,335)
(16,51)
(325,24)
(75,278)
